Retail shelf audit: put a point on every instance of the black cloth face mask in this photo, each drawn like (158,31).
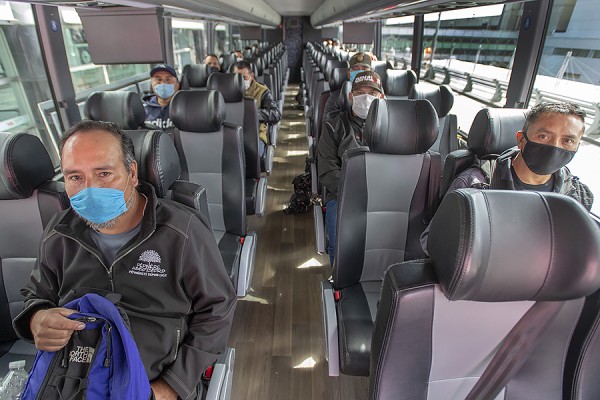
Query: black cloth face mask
(543,159)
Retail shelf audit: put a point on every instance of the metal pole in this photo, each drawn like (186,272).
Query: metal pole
(417,44)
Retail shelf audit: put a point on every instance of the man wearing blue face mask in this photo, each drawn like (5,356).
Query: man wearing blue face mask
(342,132)
(164,85)
(358,63)
(119,237)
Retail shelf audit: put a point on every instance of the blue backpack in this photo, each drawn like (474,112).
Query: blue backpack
(99,362)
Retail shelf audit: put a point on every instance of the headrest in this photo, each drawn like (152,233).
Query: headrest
(228,59)
(398,82)
(337,78)
(258,62)
(345,96)
(196,75)
(440,96)
(401,126)
(231,86)
(331,64)
(494,130)
(157,158)
(198,111)
(122,108)
(380,67)
(492,245)
(25,165)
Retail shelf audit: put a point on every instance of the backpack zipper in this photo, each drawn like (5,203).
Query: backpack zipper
(108,346)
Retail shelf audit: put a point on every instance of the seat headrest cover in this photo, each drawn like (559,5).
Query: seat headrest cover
(198,111)
(231,86)
(337,78)
(494,130)
(440,96)
(492,245)
(399,82)
(400,126)
(157,158)
(25,165)
(332,64)
(125,109)
(196,75)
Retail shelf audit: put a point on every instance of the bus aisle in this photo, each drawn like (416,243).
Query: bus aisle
(278,328)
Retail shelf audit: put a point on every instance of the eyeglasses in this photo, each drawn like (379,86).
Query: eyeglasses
(168,79)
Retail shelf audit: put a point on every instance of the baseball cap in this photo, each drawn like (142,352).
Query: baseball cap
(163,67)
(367,78)
(362,59)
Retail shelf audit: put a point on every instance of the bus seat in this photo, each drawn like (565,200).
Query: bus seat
(492,132)
(331,65)
(398,83)
(212,155)
(242,112)
(440,321)
(382,210)
(194,77)
(337,78)
(380,67)
(442,99)
(122,108)
(29,199)
(159,165)
(226,61)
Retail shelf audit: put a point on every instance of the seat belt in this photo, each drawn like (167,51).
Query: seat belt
(433,185)
(515,350)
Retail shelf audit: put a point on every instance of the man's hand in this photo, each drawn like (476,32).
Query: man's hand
(162,390)
(52,329)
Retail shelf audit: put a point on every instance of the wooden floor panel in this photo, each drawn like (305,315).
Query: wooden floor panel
(278,327)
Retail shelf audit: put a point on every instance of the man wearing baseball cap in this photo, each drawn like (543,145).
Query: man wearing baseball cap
(164,85)
(344,131)
(358,63)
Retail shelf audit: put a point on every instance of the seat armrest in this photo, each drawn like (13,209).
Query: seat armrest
(261,197)
(192,195)
(221,382)
(319,228)
(246,269)
(331,328)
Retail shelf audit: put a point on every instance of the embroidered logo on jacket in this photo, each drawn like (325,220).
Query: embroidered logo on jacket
(82,354)
(149,265)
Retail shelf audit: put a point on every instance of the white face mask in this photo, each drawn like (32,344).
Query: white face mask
(247,84)
(361,104)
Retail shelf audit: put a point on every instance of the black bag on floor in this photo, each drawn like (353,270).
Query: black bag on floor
(301,200)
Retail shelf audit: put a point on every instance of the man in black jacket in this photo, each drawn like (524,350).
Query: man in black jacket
(344,131)
(118,237)
(358,63)
(547,143)
(268,111)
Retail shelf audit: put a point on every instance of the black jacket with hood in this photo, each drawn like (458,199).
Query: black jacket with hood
(171,277)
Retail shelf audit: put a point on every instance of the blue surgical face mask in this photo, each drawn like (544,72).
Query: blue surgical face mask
(353,74)
(99,205)
(164,90)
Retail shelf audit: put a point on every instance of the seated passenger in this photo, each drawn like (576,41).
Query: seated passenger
(239,56)
(547,143)
(164,85)
(118,237)
(344,131)
(268,112)
(358,63)
(213,63)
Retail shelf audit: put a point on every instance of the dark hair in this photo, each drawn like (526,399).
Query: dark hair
(88,125)
(243,65)
(565,108)
(212,55)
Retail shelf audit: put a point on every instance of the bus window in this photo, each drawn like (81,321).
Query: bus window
(570,71)
(221,41)
(396,41)
(189,42)
(23,80)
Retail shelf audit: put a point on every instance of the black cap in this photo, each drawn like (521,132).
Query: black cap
(163,67)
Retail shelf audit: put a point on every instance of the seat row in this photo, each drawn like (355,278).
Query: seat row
(388,195)
(30,196)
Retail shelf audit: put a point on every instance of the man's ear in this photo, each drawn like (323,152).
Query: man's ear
(133,173)
(521,140)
